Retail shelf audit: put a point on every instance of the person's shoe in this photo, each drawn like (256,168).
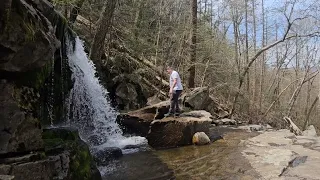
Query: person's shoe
(177,114)
(168,114)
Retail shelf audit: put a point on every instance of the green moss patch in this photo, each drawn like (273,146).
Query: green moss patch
(81,161)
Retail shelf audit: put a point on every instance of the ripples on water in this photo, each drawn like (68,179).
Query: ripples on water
(219,160)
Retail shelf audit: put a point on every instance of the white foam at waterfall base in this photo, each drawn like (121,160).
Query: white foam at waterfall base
(90,110)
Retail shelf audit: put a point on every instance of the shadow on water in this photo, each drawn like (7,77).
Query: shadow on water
(221,159)
(138,166)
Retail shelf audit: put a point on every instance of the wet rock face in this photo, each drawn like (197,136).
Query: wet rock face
(27,46)
(65,156)
(28,42)
(27,39)
(18,132)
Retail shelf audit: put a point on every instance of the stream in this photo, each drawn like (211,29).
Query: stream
(221,159)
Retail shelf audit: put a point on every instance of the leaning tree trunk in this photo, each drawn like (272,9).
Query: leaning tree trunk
(75,11)
(193,47)
(5,9)
(103,27)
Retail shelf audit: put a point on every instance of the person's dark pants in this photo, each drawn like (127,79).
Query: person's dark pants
(174,106)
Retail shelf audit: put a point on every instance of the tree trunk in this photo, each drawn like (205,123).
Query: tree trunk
(247,55)
(277,78)
(193,47)
(306,122)
(236,39)
(75,11)
(256,80)
(137,18)
(5,9)
(158,34)
(292,127)
(103,27)
(295,94)
(263,57)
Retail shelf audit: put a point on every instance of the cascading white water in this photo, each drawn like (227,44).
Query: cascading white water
(90,110)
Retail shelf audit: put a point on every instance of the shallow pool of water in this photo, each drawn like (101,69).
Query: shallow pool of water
(221,159)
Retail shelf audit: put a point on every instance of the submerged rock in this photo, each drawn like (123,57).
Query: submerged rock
(172,132)
(131,146)
(200,138)
(103,157)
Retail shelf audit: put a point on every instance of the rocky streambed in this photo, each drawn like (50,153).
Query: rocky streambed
(241,154)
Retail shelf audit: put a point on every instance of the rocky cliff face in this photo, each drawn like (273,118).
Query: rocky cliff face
(31,36)
(28,39)
(27,43)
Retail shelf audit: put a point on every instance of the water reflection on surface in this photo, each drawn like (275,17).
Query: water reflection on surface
(219,160)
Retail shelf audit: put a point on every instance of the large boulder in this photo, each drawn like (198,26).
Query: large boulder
(310,131)
(138,121)
(199,99)
(200,138)
(172,132)
(126,95)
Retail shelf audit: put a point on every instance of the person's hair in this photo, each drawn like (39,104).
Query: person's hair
(169,67)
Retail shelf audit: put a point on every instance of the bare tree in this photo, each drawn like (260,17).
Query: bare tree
(103,27)
(193,47)
(285,37)
(75,11)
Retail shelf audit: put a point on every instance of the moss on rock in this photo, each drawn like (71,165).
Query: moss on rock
(81,164)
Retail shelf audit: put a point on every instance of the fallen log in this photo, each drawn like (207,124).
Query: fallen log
(292,127)
(154,87)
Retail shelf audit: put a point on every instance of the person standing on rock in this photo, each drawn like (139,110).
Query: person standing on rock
(174,92)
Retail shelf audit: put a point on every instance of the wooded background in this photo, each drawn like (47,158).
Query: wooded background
(259,57)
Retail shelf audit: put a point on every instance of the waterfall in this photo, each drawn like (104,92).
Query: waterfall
(89,106)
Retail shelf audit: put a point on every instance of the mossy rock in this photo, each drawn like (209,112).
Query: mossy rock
(81,164)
